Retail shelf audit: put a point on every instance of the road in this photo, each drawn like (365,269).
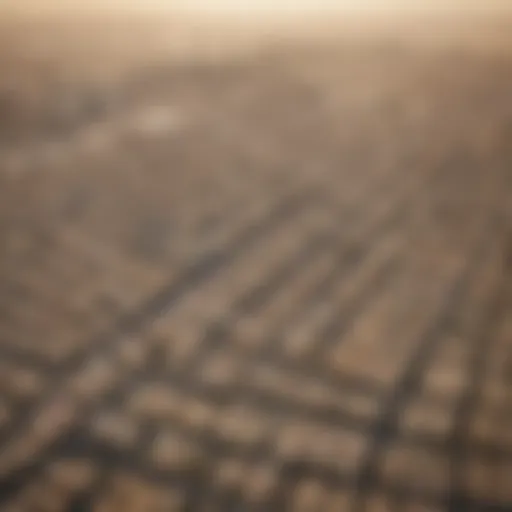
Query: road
(276,283)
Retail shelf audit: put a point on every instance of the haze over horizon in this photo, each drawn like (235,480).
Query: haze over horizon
(253,8)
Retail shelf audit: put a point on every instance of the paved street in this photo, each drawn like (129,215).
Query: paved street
(276,284)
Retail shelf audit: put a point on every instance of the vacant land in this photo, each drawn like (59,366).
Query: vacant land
(279,280)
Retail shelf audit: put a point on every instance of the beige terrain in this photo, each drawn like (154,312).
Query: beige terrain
(255,266)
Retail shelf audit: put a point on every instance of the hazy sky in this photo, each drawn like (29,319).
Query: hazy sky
(251,7)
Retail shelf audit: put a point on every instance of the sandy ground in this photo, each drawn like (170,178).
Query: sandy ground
(254,277)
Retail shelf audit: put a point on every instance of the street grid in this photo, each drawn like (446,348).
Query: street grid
(283,283)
